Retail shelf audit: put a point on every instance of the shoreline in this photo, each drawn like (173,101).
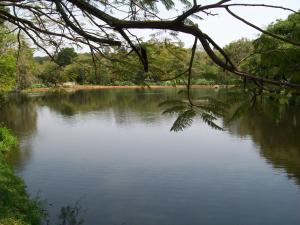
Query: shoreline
(99,87)
(16,206)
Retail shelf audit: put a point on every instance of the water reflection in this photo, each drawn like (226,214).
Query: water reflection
(20,115)
(198,172)
(275,130)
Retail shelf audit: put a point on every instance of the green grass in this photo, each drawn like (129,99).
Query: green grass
(7,141)
(16,208)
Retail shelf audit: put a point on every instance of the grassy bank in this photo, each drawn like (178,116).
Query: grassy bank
(15,206)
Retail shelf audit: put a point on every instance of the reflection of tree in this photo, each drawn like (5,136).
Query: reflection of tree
(276,131)
(119,102)
(20,115)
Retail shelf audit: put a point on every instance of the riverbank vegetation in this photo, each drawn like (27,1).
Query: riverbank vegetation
(15,206)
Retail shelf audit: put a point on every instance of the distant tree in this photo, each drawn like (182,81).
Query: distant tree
(65,56)
(51,74)
(205,68)
(80,70)
(239,50)
(26,66)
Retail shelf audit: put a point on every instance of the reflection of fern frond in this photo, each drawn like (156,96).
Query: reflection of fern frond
(171,103)
(175,109)
(184,120)
(214,101)
(208,109)
(214,109)
(208,119)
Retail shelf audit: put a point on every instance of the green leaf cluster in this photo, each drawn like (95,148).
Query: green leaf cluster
(276,59)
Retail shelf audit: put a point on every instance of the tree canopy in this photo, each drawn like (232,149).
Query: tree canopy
(276,59)
(105,26)
(66,56)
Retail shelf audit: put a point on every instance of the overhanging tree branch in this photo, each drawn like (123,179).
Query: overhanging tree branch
(106,29)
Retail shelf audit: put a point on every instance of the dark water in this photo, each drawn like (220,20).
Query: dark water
(112,151)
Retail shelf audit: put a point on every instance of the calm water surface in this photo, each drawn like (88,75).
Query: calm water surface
(111,151)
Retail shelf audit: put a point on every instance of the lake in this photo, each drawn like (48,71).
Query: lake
(111,153)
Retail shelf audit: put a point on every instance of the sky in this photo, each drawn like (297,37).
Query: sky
(224,29)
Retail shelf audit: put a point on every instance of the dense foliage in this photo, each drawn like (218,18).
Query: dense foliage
(277,59)
(16,61)
(168,62)
(167,65)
